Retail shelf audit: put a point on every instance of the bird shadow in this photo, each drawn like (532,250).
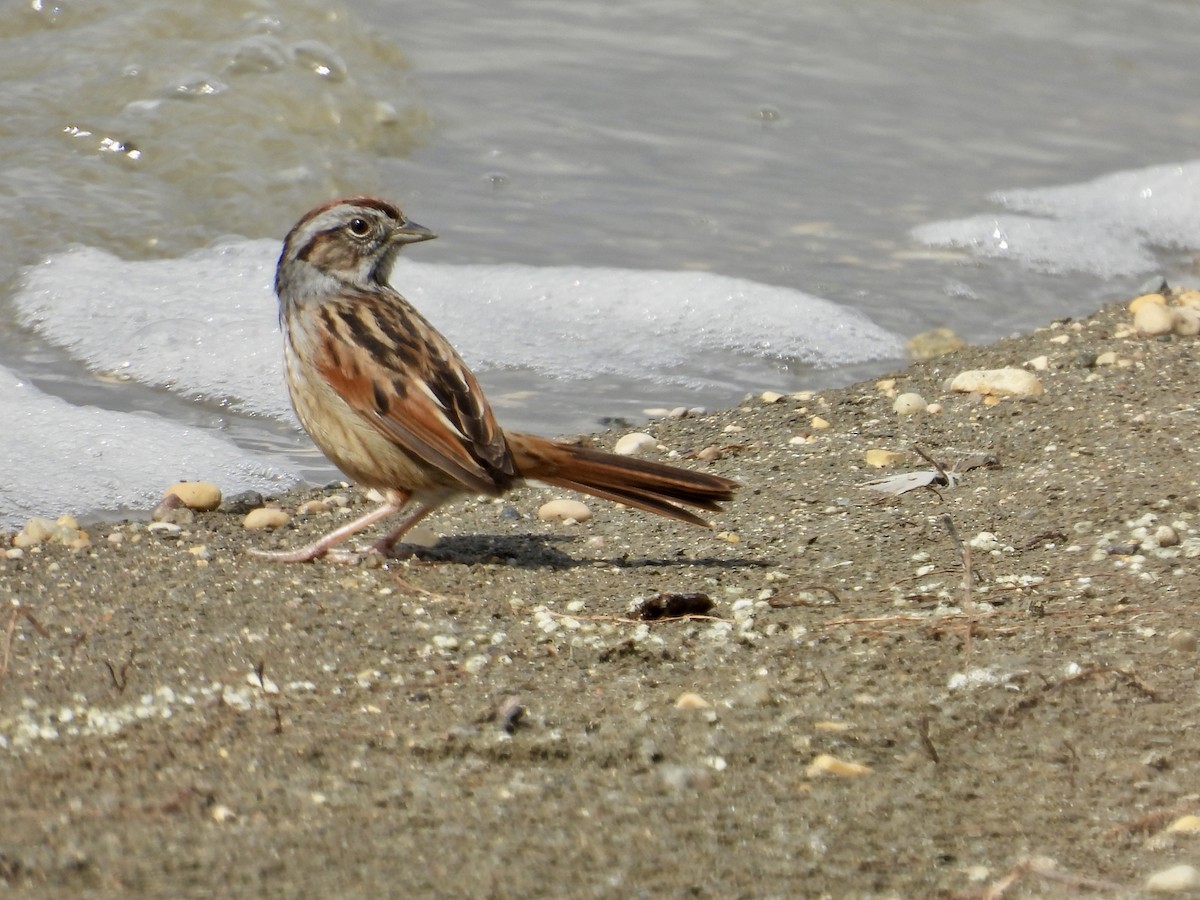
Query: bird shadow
(537,551)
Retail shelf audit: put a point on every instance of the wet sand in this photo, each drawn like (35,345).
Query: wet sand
(1002,669)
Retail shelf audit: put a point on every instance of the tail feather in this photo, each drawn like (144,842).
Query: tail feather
(651,486)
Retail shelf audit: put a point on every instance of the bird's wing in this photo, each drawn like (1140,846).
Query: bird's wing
(394,368)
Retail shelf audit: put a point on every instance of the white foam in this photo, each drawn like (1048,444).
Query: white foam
(205,325)
(1110,226)
(79,459)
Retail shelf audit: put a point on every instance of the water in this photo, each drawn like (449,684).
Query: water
(816,147)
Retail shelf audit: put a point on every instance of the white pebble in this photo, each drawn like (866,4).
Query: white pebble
(1166,536)
(635,444)
(476,664)
(690,700)
(564,510)
(986,541)
(1154,319)
(998,382)
(1187,321)
(908,404)
(1182,641)
(222,813)
(1177,878)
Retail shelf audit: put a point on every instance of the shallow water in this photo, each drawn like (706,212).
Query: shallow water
(791,144)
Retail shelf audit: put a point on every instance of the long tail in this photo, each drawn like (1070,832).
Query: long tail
(651,486)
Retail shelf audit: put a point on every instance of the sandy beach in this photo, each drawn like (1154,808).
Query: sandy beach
(979,687)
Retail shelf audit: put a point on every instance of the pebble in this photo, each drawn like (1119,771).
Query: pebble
(312,508)
(985,541)
(908,404)
(564,511)
(635,444)
(1107,358)
(266,517)
(166,530)
(36,531)
(1166,536)
(1188,299)
(690,700)
(1185,824)
(1174,880)
(222,813)
(825,764)
(998,382)
(1183,641)
(1146,300)
(1141,303)
(1187,321)
(1039,363)
(818,424)
(473,665)
(882,459)
(936,342)
(241,503)
(1153,319)
(685,778)
(169,511)
(771,396)
(64,530)
(202,495)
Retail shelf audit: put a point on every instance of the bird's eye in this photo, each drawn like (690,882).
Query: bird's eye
(359,227)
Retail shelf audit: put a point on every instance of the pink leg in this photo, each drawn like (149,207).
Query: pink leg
(384,544)
(322,545)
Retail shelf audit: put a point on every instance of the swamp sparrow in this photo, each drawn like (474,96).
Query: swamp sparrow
(392,404)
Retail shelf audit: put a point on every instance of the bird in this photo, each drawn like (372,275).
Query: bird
(391,403)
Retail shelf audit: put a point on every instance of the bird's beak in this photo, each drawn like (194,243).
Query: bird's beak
(411,233)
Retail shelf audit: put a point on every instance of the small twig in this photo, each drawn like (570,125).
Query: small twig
(1093,671)
(625,620)
(1073,761)
(926,743)
(120,677)
(1150,822)
(964,552)
(509,713)
(1044,868)
(941,470)
(784,602)
(19,609)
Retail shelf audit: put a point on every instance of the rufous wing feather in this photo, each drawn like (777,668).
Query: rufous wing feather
(440,416)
